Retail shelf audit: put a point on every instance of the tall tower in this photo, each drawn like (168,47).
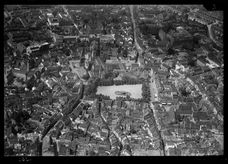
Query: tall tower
(27,69)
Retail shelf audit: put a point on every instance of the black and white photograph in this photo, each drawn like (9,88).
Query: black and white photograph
(113,80)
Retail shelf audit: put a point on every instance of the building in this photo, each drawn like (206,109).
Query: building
(201,62)
(205,17)
(134,66)
(112,67)
(97,69)
(218,32)
(74,64)
(201,116)
(185,110)
(36,47)
(20,73)
(53,21)
(112,60)
(100,62)
(20,36)
(107,38)
(70,38)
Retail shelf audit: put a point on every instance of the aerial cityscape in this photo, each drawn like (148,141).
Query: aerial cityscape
(113,80)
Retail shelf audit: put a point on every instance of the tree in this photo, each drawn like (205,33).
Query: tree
(171,51)
(32,63)
(188,45)
(55,149)
(10,78)
(86,21)
(125,53)
(191,62)
(9,151)
(92,88)
(146,92)
(108,75)
(184,92)
(38,147)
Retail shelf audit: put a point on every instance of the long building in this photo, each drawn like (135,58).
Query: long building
(36,47)
(205,17)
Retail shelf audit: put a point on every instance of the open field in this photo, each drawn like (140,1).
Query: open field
(135,90)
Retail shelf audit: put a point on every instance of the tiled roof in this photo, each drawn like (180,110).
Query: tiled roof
(185,109)
(201,116)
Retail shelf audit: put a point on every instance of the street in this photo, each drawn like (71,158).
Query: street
(211,36)
(153,88)
(139,49)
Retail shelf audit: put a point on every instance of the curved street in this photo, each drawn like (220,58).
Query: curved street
(211,35)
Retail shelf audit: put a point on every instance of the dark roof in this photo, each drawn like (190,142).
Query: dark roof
(203,60)
(194,126)
(108,103)
(62,149)
(185,109)
(119,103)
(134,65)
(148,116)
(188,99)
(86,76)
(201,116)
(165,65)
(90,66)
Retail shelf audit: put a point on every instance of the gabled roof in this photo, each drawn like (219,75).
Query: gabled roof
(203,116)
(185,109)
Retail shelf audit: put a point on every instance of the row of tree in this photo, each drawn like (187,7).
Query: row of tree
(127,81)
(146,92)
(102,97)
(128,98)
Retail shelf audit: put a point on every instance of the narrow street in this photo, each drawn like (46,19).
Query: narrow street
(110,131)
(153,88)
(205,98)
(69,16)
(71,105)
(139,49)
